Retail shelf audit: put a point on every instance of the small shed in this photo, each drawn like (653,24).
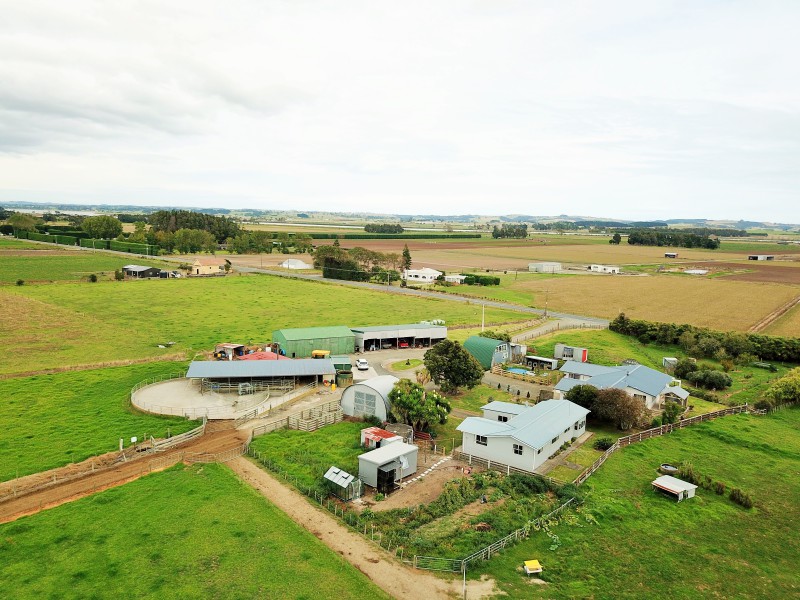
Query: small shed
(229,351)
(369,397)
(455,279)
(670,255)
(488,351)
(669,363)
(761,257)
(674,487)
(608,269)
(141,272)
(385,467)
(301,342)
(544,267)
(540,362)
(344,485)
(404,431)
(564,352)
(375,437)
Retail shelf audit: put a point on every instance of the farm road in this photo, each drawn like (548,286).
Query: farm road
(74,489)
(396,579)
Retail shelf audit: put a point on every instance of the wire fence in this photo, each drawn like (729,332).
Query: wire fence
(557,326)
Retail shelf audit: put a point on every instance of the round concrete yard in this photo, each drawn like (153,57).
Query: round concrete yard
(182,397)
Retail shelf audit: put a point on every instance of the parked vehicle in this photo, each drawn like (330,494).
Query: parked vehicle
(402,344)
(362,364)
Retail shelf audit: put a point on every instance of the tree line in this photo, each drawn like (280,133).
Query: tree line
(360,264)
(510,230)
(661,237)
(383,228)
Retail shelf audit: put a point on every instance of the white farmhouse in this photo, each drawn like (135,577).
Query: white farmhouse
(522,436)
(650,386)
(424,275)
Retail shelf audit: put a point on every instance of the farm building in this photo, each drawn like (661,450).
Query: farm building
(487,351)
(761,257)
(385,467)
(369,398)
(345,486)
(140,272)
(522,436)
(208,265)
(544,267)
(669,363)
(455,279)
(250,376)
(670,255)
(564,352)
(295,264)
(650,386)
(608,269)
(398,336)
(375,437)
(229,351)
(404,431)
(342,363)
(673,487)
(424,275)
(540,362)
(263,355)
(301,342)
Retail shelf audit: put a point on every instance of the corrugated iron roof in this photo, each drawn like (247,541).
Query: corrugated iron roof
(388,453)
(302,367)
(398,327)
(264,356)
(312,333)
(339,477)
(506,407)
(482,348)
(673,484)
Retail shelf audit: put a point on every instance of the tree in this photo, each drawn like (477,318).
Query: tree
(452,367)
(102,227)
(406,258)
(616,239)
(672,410)
(412,405)
(617,407)
(22,222)
(684,367)
(496,335)
(583,395)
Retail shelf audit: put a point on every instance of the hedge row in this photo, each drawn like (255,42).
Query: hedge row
(765,347)
(93,243)
(66,240)
(132,247)
(409,235)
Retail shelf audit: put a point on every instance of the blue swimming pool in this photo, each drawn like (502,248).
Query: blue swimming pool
(518,370)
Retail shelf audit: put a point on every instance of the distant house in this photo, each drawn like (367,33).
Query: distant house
(210,265)
(488,351)
(761,257)
(564,352)
(424,275)
(522,436)
(544,267)
(140,272)
(652,387)
(295,264)
(609,269)
(455,279)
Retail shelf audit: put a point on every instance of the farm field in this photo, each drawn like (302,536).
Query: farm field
(53,420)
(63,265)
(78,324)
(7,243)
(716,303)
(787,325)
(188,532)
(630,542)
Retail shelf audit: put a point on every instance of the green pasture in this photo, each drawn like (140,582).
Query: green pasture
(188,532)
(630,542)
(75,265)
(52,420)
(71,324)
(8,243)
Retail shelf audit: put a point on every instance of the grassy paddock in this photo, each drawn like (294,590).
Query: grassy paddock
(194,532)
(79,323)
(645,545)
(53,420)
(65,265)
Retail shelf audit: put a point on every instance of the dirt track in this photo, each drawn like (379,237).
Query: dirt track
(31,503)
(392,576)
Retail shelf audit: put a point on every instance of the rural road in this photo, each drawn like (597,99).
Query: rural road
(396,579)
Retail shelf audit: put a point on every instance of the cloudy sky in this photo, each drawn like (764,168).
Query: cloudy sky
(627,109)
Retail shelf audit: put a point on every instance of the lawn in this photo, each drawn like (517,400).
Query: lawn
(69,324)
(307,455)
(405,365)
(645,545)
(64,265)
(53,420)
(189,532)
(478,396)
(7,243)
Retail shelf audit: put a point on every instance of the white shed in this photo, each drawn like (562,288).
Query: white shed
(673,487)
(385,467)
(544,267)
(609,269)
(369,397)
(296,264)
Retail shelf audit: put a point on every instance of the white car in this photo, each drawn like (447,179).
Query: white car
(362,364)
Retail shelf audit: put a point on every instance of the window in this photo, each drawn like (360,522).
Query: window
(641,397)
(364,404)
(554,440)
(566,430)
(480,439)
(502,418)
(538,451)
(579,425)
(518,449)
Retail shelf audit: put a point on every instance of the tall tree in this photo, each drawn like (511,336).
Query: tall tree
(22,222)
(406,257)
(452,367)
(102,227)
(412,405)
(619,408)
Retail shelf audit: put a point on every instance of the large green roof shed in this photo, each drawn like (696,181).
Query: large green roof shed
(300,342)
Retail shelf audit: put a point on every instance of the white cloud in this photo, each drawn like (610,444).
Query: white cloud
(619,108)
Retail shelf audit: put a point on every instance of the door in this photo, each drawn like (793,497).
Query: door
(386,481)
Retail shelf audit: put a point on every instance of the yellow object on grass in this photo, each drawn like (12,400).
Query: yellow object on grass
(532,566)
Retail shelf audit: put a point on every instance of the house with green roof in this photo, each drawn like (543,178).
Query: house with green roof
(301,342)
(488,351)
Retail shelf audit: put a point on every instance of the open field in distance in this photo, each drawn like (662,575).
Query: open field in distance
(188,532)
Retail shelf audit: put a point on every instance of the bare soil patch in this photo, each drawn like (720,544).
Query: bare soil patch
(756,271)
(421,491)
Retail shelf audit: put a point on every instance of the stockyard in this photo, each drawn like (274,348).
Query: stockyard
(80,347)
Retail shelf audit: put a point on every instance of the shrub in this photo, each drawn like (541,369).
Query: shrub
(379,497)
(741,498)
(603,443)
(687,473)
(719,488)
(656,422)
(672,410)
(567,491)
(93,278)
(20,282)
(119,275)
